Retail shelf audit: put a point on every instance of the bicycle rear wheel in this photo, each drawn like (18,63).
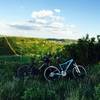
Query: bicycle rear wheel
(82,73)
(51,72)
(23,71)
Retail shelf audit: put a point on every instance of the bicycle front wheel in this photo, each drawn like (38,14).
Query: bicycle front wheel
(51,73)
(82,73)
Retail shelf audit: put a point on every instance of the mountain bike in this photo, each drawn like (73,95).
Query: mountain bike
(53,73)
(27,70)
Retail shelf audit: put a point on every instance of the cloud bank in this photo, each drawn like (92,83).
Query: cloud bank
(44,23)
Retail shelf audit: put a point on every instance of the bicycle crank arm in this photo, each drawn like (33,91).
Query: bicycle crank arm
(61,74)
(54,74)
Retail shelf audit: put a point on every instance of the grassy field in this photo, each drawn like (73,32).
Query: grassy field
(12,88)
(37,88)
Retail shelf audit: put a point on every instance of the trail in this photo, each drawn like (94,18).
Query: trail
(11,48)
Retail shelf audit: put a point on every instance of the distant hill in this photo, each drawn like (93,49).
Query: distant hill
(31,46)
(65,41)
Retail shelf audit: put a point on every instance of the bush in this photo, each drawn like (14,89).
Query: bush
(97,89)
(85,52)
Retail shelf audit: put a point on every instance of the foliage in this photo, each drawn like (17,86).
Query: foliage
(12,88)
(97,89)
(86,51)
(31,46)
(39,91)
(4,48)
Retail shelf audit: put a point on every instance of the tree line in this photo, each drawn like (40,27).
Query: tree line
(86,51)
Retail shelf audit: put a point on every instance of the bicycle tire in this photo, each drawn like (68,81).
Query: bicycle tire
(48,71)
(79,75)
(23,71)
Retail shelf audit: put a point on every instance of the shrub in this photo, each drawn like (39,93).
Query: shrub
(97,89)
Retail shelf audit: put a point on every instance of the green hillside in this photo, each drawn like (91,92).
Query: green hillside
(30,46)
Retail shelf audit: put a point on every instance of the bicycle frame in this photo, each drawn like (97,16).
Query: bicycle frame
(76,68)
(41,66)
(63,72)
(69,61)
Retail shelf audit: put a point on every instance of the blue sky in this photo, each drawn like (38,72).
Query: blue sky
(50,18)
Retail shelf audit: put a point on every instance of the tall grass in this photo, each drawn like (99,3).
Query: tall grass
(12,88)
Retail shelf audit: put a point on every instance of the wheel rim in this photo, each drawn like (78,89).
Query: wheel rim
(49,73)
(79,75)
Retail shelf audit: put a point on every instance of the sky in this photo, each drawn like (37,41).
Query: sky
(67,19)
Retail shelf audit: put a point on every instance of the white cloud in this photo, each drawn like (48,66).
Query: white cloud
(42,13)
(44,23)
(22,27)
(57,10)
(41,21)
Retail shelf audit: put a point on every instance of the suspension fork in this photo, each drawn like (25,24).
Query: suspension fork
(76,68)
